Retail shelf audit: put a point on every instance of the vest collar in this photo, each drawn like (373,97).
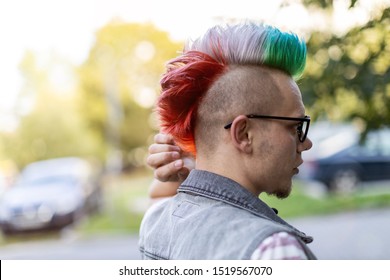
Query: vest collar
(214,186)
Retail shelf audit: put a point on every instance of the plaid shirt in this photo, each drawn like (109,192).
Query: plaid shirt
(279,246)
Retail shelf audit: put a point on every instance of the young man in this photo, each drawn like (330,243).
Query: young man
(231,101)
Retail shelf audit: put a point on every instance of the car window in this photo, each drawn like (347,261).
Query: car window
(385,148)
(28,182)
(367,148)
(371,145)
(50,171)
(384,142)
(376,144)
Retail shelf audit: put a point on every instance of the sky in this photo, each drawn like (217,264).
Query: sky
(67,27)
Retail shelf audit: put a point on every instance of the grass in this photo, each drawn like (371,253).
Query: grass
(126,201)
(300,204)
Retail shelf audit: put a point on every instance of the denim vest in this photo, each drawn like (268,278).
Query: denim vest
(211,217)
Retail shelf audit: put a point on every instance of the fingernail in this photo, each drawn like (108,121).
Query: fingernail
(179,163)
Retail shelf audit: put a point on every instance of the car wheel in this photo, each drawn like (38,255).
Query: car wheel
(344,181)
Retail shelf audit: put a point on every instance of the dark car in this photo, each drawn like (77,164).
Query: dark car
(50,194)
(341,161)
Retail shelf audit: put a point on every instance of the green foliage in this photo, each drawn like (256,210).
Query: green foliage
(120,80)
(50,127)
(348,77)
(326,3)
(49,132)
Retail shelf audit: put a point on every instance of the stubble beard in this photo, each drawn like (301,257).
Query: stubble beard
(282,193)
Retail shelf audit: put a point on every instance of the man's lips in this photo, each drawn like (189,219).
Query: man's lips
(296,169)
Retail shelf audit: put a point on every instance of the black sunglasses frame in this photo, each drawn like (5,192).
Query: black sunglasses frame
(302,136)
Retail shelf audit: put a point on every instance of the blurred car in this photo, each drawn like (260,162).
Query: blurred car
(3,184)
(50,194)
(342,162)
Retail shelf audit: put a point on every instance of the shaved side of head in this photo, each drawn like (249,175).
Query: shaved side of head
(241,90)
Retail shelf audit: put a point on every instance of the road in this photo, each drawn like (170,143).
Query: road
(73,247)
(354,235)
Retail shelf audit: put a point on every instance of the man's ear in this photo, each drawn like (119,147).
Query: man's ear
(239,133)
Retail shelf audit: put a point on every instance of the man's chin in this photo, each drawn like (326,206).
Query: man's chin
(282,193)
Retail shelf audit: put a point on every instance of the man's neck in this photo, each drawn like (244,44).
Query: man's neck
(228,169)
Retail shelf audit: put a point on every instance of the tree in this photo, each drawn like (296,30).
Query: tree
(326,3)
(348,77)
(119,83)
(50,126)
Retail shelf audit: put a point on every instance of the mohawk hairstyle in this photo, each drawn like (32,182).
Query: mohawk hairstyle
(190,75)
(187,79)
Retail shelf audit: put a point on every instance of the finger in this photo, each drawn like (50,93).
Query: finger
(160,148)
(169,172)
(162,138)
(163,158)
